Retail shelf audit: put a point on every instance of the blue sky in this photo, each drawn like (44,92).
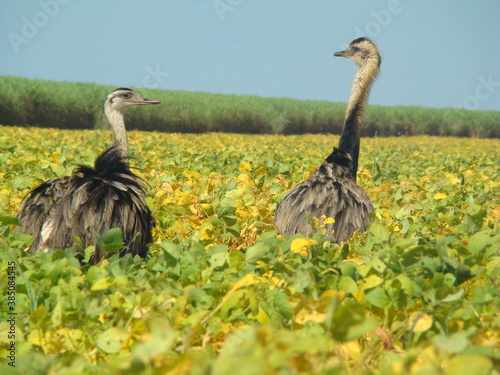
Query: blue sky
(435,53)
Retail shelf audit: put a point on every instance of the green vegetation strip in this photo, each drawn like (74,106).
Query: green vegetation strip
(77,106)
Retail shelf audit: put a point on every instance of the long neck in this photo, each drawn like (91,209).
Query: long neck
(117,123)
(351,132)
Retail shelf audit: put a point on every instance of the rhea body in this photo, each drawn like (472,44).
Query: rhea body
(94,200)
(332,191)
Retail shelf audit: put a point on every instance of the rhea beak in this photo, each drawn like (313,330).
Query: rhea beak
(146,101)
(344,53)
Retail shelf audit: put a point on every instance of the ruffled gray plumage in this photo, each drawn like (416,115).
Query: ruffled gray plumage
(329,192)
(91,201)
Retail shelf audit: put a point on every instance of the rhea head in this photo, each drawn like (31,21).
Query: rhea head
(123,97)
(363,51)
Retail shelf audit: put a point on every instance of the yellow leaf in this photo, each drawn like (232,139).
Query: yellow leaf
(235,193)
(206,206)
(101,317)
(327,297)
(70,337)
(261,170)
(195,175)
(249,279)
(495,213)
(329,220)
(420,322)
(261,316)
(245,166)
(49,342)
(351,347)
(470,364)
(394,228)
(310,171)
(358,260)
(371,282)
(366,173)
(453,179)
(245,179)
(440,196)
(36,337)
(305,315)
(207,231)
(301,245)
(426,356)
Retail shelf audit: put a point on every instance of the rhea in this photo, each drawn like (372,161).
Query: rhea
(332,191)
(92,201)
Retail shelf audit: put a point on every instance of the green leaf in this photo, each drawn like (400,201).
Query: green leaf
(57,313)
(103,283)
(226,210)
(358,330)
(160,341)
(236,259)
(256,252)
(9,219)
(449,280)
(112,240)
(378,297)
(472,364)
(347,284)
(378,265)
(348,269)
(406,284)
(219,259)
(230,220)
(112,340)
(484,294)
(350,322)
(454,297)
(479,241)
(21,182)
(404,243)
(113,236)
(474,222)
(454,343)
(304,278)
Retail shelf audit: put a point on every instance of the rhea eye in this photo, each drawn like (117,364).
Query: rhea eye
(356,49)
(126,96)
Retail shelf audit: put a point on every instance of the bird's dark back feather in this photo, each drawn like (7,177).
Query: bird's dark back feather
(94,201)
(38,205)
(330,192)
(107,196)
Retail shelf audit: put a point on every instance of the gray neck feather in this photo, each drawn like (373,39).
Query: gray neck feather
(351,132)
(117,123)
